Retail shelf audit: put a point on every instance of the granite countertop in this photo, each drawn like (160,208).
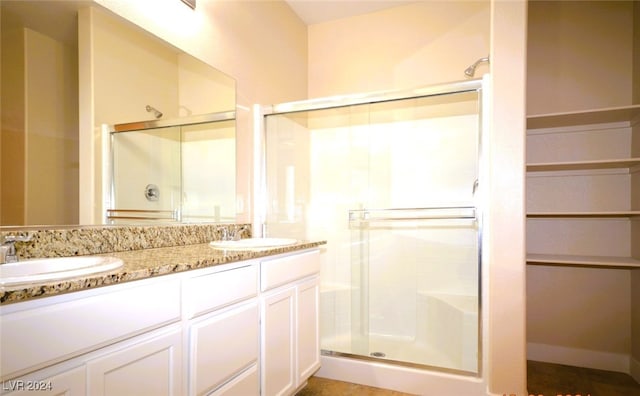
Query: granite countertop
(146,263)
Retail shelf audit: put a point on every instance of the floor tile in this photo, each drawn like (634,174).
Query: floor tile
(547,379)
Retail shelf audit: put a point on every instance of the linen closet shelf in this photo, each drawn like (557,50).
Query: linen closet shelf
(571,149)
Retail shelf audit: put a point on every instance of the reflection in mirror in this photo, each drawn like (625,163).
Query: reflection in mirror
(173,174)
(39,139)
(44,73)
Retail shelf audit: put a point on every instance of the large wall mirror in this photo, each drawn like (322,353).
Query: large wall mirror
(58,90)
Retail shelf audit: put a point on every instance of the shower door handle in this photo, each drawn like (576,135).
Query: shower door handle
(412,214)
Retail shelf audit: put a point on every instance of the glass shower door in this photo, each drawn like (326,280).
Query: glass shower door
(418,302)
(390,186)
(181,173)
(146,180)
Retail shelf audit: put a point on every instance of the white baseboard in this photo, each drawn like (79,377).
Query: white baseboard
(580,357)
(635,369)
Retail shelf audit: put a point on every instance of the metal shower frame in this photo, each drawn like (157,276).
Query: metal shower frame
(481,86)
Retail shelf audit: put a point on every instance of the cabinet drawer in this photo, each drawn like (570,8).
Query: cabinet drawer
(243,385)
(209,292)
(67,383)
(279,271)
(222,346)
(32,338)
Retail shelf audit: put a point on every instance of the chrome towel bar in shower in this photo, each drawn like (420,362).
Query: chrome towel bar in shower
(142,214)
(399,214)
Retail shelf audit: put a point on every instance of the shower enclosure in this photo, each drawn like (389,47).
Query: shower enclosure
(391,182)
(179,170)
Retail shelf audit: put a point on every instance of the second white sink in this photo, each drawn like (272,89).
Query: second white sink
(44,270)
(253,243)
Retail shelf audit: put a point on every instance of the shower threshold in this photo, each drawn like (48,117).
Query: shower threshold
(385,360)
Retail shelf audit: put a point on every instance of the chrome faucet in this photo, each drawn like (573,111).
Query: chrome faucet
(8,253)
(229,234)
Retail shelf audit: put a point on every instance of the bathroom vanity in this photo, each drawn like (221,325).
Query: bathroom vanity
(243,323)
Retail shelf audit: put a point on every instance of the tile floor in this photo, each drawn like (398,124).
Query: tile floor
(555,379)
(546,379)
(326,387)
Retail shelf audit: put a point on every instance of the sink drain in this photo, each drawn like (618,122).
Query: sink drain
(378,354)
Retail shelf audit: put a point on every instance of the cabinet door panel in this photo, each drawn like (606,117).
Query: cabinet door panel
(278,338)
(150,367)
(246,384)
(308,337)
(222,346)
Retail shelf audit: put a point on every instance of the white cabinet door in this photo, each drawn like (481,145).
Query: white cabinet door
(68,383)
(246,384)
(278,343)
(222,346)
(83,321)
(290,337)
(147,366)
(308,329)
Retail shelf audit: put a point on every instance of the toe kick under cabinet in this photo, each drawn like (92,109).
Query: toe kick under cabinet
(246,328)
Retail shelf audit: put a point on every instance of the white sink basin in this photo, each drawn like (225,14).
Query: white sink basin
(253,243)
(44,270)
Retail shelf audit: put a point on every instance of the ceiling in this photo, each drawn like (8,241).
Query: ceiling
(318,11)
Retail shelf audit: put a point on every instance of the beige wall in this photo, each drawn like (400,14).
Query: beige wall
(505,262)
(401,47)
(563,302)
(130,70)
(203,89)
(262,44)
(579,56)
(13,116)
(39,129)
(51,120)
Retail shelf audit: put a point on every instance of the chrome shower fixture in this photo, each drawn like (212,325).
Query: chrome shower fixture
(155,111)
(470,71)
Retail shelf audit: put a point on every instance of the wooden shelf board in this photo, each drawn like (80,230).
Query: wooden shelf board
(589,261)
(626,213)
(595,116)
(585,165)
